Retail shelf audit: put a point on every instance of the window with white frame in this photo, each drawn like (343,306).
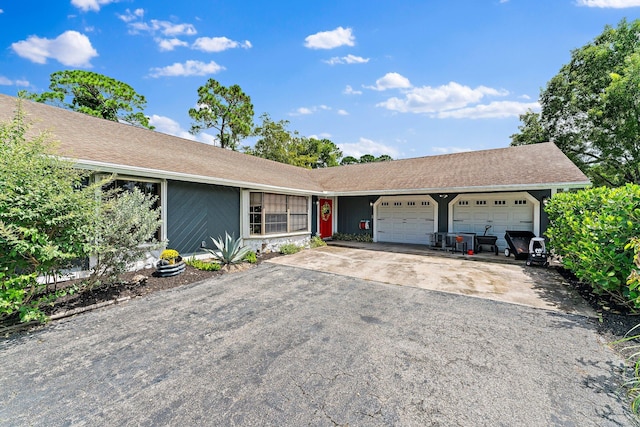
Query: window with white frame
(271,213)
(146,186)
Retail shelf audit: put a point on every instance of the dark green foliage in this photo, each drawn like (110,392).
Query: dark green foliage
(365,238)
(50,217)
(591,231)
(275,142)
(96,95)
(227,109)
(46,215)
(367,158)
(590,109)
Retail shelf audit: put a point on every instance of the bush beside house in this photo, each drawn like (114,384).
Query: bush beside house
(591,231)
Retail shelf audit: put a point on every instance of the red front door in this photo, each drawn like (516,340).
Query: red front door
(326,218)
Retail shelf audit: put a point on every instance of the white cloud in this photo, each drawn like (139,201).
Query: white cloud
(493,110)
(156,26)
(1,11)
(4,81)
(429,99)
(305,111)
(70,48)
(343,112)
(86,5)
(613,4)
(350,91)
(367,146)
(189,68)
(349,59)
(166,45)
(391,81)
(330,39)
(132,16)
(218,44)
(169,126)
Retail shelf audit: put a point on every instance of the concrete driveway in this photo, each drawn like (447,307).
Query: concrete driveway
(506,281)
(278,345)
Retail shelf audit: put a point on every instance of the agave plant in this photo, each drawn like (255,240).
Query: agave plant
(228,251)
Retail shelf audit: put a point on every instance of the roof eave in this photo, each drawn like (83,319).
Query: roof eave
(474,189)
(178,176)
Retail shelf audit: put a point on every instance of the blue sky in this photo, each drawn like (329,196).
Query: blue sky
(404,78)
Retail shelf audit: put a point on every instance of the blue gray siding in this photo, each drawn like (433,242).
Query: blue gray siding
(196,212)
(352,209)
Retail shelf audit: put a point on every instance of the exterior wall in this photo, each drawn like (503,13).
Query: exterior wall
(541,195)
(352,209)
(314,216)
(266,244)
(196,212)
(443,210)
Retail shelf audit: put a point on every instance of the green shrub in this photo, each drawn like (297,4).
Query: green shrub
(126,225)
(251,257)
(317,242)
(229,250)
(591,230)
(633,384)
(289,248)
(355,237)
(203,265)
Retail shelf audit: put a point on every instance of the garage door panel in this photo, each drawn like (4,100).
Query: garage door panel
(501,212)
(400,220)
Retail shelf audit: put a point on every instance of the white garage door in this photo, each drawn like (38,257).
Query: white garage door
(472,213)
(405,219)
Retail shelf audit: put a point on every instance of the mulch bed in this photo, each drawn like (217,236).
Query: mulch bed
(132,285)
(615,321)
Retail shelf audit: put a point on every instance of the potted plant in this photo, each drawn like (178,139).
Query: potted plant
(170,263)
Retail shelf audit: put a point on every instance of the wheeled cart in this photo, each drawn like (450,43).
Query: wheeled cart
(518,243)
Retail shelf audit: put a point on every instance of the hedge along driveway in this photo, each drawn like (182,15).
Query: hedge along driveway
(279,345)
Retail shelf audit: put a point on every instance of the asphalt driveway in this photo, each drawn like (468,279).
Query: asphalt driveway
(281,345)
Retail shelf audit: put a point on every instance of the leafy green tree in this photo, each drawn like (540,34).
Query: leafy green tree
(323,152)
(96,95)
(590,108)
(531,130)
(384,158)
(276,142)
(226,109)
(367,158)
(348,160)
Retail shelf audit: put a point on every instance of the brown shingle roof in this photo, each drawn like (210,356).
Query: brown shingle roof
(101,142)
(92,139)
(527,166)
